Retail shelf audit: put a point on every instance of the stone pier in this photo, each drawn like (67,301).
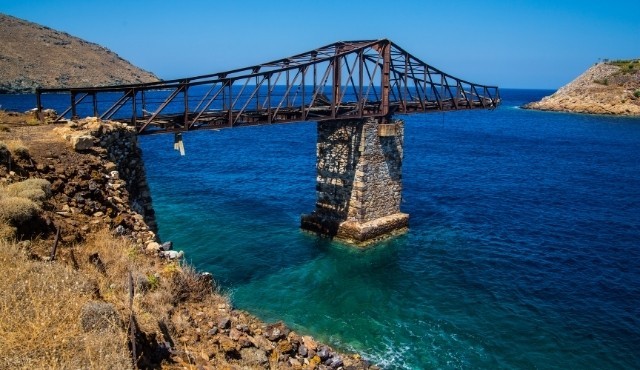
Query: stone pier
(359,183)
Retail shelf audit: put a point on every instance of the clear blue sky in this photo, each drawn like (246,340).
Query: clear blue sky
(511,43)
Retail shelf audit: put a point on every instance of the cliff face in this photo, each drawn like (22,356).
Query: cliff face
(36,56)
(605,88)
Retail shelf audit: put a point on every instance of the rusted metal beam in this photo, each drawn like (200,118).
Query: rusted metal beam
(395,81)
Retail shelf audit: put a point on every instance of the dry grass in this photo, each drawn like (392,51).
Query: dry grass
(33,189)
(40,326)
(16,210)
(12,117)
(42,303)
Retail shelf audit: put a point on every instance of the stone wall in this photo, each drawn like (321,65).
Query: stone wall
(122,149)
(359,180)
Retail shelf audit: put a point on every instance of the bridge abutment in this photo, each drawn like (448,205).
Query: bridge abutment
(359,181)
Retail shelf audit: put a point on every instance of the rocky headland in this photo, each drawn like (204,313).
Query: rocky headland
(611,88)
(89,284)
(34,56)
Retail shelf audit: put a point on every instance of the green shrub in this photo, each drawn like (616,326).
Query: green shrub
(637,93)
(153,281)
(17,210)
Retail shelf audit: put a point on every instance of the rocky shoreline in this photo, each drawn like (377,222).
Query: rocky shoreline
(610,88)
(98,183)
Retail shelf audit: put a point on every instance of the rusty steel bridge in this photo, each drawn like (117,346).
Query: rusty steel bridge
(343,80)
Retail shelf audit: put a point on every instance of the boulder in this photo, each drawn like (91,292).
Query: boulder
(276,331)
(324,353)
(172,255)
(153,247)
(81,142)
(224,323)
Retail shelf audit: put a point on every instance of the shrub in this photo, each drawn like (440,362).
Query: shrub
(637,93)
(21,151)
(17,209)
(36,190)
(4,150)
(99,316)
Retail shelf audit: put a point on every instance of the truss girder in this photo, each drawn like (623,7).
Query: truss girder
(343,80)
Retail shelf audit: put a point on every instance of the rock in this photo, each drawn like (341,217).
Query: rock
(284,347)
(110,167)
(153,247)
(276,331)
(167,246)
(302,350)
(224,323)
(309,342)
(334,362)
(235,334)
(99,316)
(81,142)
(213,331)
(323,353)
(172,255)
(254,356)
(262,342)
(226,344)
(119,230)
(294,362)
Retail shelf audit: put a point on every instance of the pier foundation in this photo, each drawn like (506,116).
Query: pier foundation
(359,181)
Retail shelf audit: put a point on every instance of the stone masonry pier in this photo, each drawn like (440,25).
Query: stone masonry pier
(359,183)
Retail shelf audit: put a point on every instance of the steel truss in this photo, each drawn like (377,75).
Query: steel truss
(343,80)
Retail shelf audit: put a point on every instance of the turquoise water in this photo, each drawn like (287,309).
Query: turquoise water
(523,249)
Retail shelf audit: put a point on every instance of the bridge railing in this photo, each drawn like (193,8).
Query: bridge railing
(343,80)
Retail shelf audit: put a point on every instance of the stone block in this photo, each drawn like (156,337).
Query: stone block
(81,142)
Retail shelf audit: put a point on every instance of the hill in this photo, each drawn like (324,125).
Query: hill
(33,56)
(605,88)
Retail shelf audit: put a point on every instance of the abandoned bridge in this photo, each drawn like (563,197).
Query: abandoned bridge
(352,90)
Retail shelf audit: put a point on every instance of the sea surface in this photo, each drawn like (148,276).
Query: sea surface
(523,250)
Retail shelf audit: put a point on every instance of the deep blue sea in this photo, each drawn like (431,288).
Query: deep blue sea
(523,250)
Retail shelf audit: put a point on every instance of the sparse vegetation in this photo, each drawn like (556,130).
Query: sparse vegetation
(626,66)
(21,151)
(36,190)
(41,327)
(16,210)
(57,317)
(637,93)
(21,202)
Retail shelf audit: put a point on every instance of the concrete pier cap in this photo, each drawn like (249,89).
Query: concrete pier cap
(359,181)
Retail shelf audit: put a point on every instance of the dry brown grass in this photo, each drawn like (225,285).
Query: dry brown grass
(16,210)
(40,326)
(42,302)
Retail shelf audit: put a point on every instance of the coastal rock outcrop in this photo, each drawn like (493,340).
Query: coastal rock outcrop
(606,88)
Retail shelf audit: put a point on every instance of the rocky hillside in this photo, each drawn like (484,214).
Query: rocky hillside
(605,88)
(36,56)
